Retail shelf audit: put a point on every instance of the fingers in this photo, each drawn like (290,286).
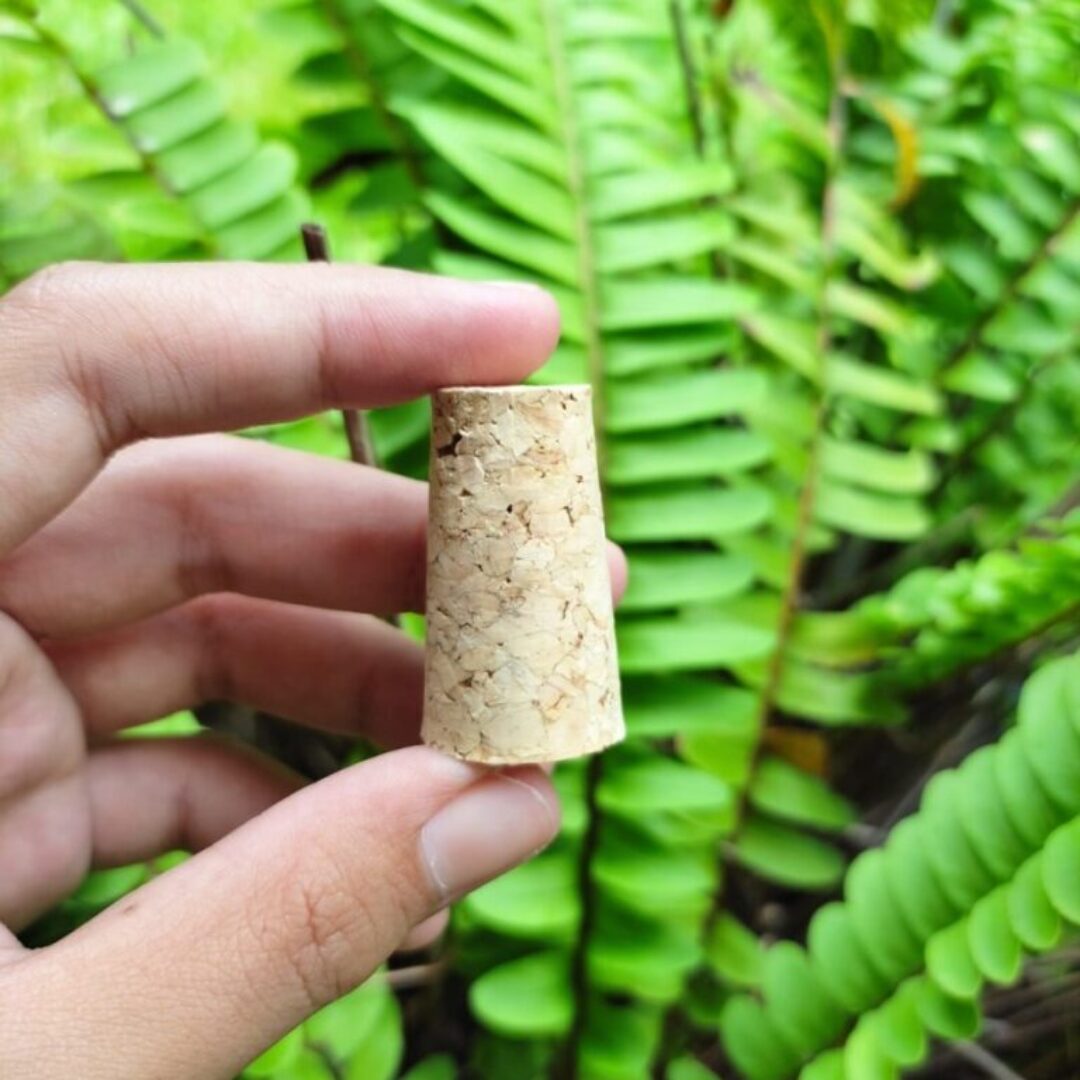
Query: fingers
(425,934)
(95,356)
(150,796)
(173,519)
(43,821)
(332,670)
(320,888)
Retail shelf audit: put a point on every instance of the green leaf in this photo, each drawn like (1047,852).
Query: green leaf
(155,72)
(734,952)
(624,194)
(446,124)
(646,957)
(192,110)
(283,1055)
(688,1068)
(899,1028)
(830,697)
(869,466)
(946,1016)
(994,946)
(685,513)
(264,232)
(264,177)
(661,401)
(854,378)
(699,452)
(502,88)
(529,998)
(950,964)
(102,887)
(667,706)
(632,354)
(460,29)
(529,197)
(785,791)
(982,814)
(1061,871)
(663,643)
(379,1055)
(962,876)
(893,948)
(922,903)
(867,307)
(840,960)
(640,245)
(980,377)
(619,1041)
(342,1027)
(663,579)
(204,157)
(536,900)
(1031,914)
(864,513)
(1030,811)
(644,303)
(803,1012)
(650,878)
(786,856)
(436,1067)
(753,1042)
(499,236)
(1014,237)
(659,784)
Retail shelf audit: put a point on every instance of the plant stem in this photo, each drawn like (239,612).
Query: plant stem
(973,338)
(139,12)
(357,429)
(566,1064)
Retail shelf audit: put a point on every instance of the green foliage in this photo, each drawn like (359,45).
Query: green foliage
(986,871)
(821,264)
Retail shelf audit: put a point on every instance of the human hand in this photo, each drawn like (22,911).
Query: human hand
(198,567)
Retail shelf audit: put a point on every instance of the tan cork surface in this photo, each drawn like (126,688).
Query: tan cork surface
(521,663)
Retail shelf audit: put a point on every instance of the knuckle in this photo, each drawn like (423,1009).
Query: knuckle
(45,289)
(324,930)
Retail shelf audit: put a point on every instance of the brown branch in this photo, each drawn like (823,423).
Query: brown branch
(357,429)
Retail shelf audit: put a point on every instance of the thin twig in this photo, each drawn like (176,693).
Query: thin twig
(357,429)
(981,1058)
(143,16)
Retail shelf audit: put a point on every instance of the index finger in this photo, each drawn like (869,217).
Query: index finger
(93,356)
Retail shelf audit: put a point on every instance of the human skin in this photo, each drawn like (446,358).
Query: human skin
(146,568)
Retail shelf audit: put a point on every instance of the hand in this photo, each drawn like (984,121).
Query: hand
(203,567)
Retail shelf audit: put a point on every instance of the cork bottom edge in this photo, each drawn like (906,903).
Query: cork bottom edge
(477,758)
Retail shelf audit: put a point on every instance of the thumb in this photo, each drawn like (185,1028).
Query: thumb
(215,960)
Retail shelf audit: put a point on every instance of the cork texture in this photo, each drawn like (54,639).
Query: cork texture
(521,663)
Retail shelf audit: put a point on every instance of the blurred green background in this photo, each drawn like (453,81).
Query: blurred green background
(821,263)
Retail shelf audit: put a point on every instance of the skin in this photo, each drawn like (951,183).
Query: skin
(147,567)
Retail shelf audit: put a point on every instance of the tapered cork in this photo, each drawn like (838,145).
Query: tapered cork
(521,663)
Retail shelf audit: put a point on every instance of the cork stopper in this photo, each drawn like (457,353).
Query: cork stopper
(521,663)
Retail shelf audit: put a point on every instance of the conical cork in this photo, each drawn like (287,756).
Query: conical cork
(521,663)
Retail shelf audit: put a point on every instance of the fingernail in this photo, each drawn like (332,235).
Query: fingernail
(493,826)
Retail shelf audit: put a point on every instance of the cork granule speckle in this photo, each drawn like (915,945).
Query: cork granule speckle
(521,663)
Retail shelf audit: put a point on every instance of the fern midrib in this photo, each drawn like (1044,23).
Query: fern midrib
(973,339)
(362,69)
(578,189)
(566,1065)
(789,603)
(61,51)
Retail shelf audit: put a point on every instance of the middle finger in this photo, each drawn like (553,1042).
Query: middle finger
(174,519)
